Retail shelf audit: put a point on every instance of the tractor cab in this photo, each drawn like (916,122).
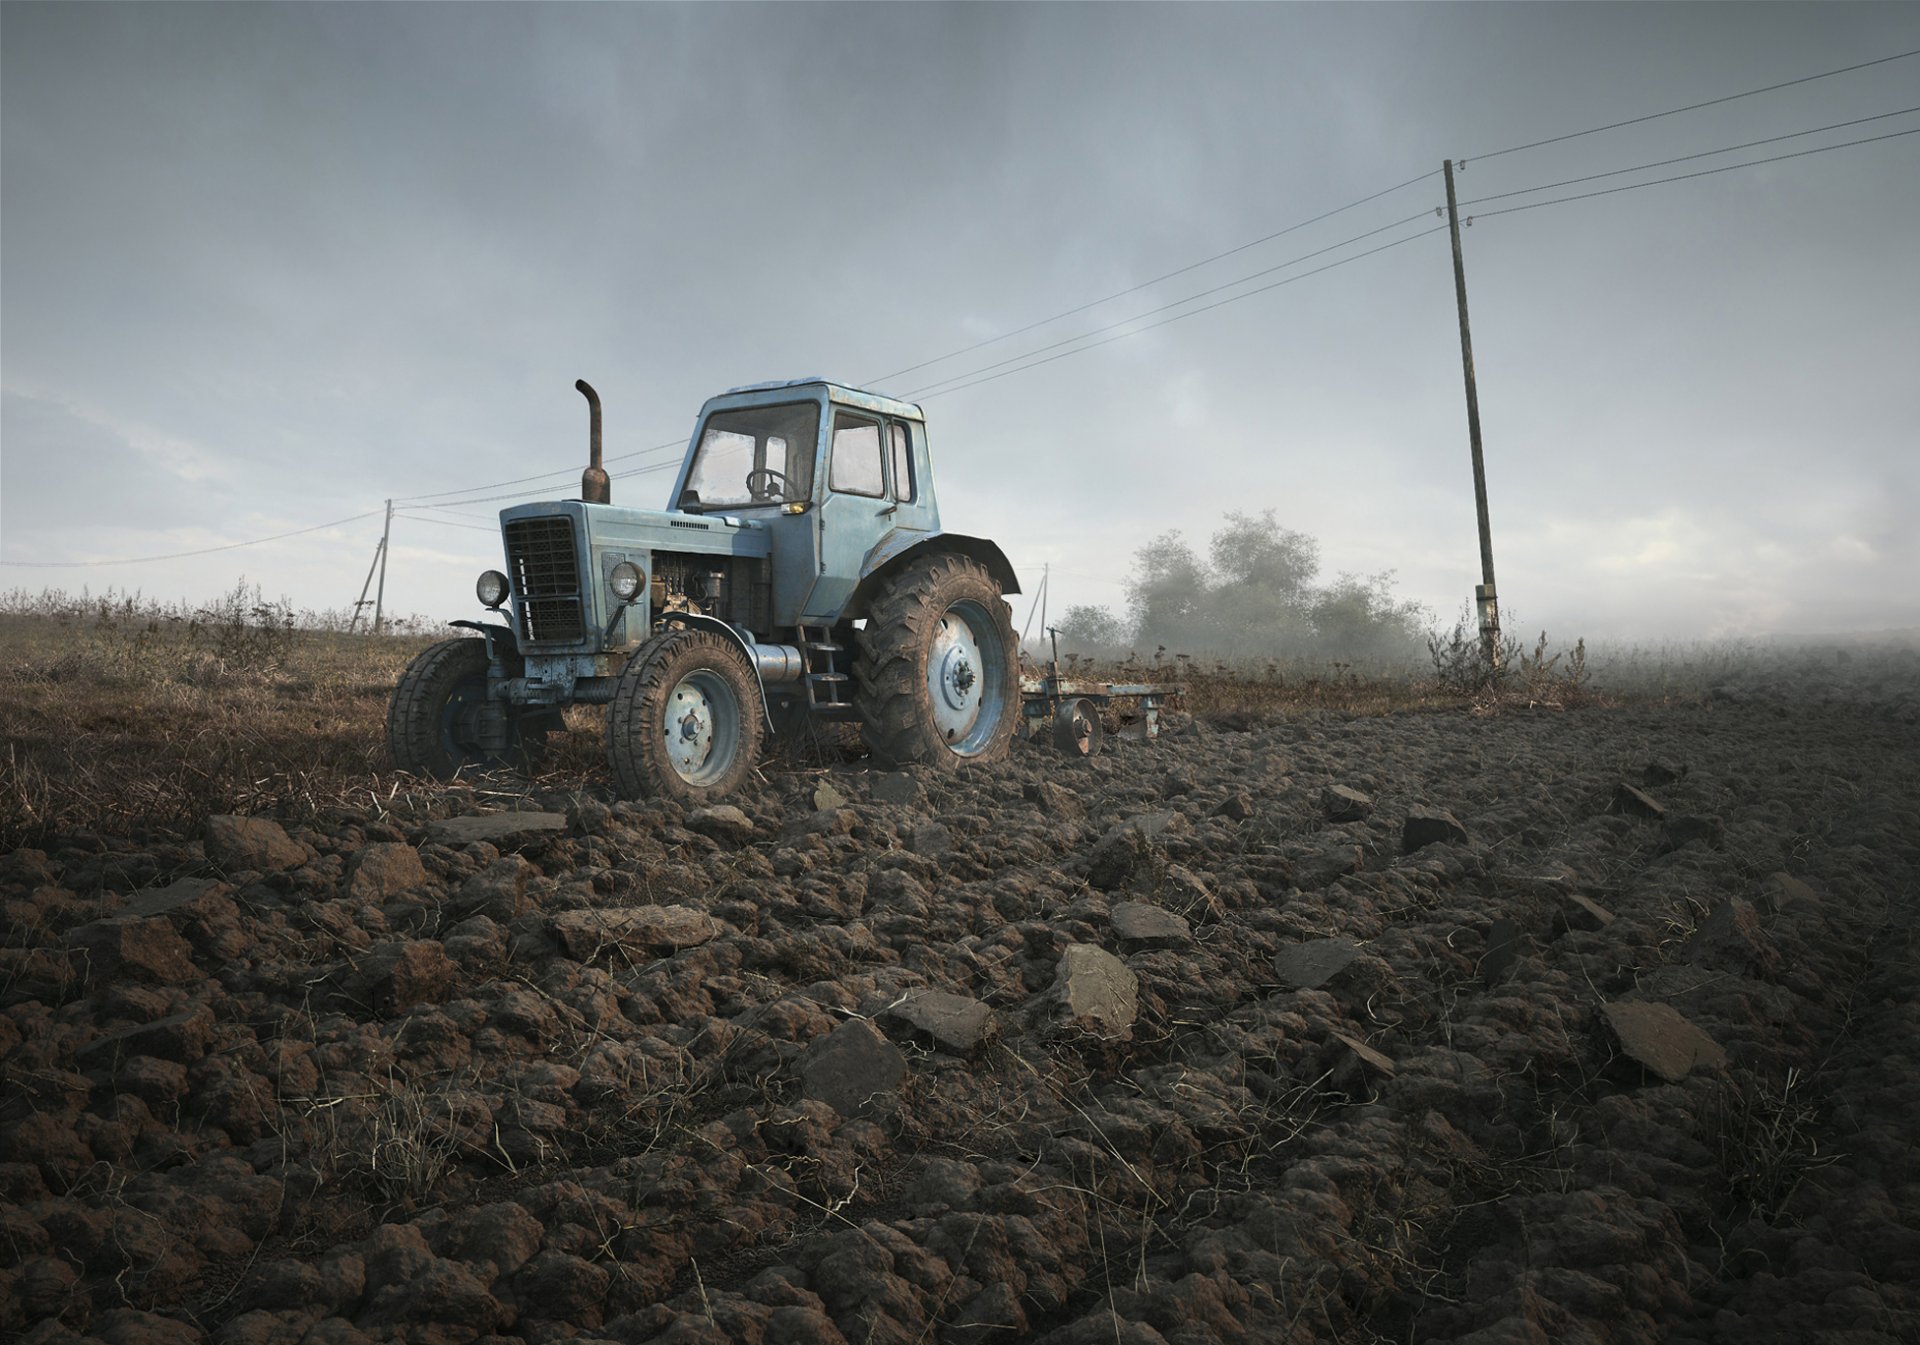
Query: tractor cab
(838,476)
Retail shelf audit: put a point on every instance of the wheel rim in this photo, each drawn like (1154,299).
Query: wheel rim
(968,699)
(701,727)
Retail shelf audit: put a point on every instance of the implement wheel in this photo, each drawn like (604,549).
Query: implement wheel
(1077,730)
(937,677)
(685,719)
(434,717)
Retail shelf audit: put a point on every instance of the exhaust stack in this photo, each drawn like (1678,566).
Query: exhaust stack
(595,488)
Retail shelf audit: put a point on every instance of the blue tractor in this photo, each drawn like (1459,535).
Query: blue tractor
(799,573)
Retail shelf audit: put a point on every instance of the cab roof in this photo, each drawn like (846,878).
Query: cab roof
(837,392)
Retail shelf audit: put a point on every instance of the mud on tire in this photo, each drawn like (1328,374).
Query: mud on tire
(938,677)
(685,720)
(431,721)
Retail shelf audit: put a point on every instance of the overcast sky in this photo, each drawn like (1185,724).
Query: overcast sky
(264,266)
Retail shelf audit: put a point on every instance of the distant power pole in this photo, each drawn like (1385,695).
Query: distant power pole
(1485,596)
(360,603)
(380,594)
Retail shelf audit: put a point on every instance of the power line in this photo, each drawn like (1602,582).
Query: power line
(1695,107)
(1234,299)
(1177,303)
(1684,158)
(1703,172)
(449,523)
(1121,294)
(182,555)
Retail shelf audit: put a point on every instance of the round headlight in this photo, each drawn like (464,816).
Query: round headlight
(491,588)
(624,579)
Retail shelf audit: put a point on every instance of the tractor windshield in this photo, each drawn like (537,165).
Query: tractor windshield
(758,455)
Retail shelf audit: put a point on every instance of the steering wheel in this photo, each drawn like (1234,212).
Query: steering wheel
(764,483)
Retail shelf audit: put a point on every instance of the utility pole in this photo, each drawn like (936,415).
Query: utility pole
(360,603)
(1485,597)
(380,594)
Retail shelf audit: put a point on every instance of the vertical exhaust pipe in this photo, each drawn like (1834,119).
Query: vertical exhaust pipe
(595,488)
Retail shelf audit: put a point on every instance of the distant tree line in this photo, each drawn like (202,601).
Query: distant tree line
(1254,595)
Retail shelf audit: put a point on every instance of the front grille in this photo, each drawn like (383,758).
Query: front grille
(545,569)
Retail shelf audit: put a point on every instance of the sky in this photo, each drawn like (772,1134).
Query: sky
(266,267)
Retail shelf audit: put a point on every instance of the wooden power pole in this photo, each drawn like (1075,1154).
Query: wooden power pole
(1486,598)
(380,594)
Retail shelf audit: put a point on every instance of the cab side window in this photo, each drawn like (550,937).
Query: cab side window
(857,465)
(902,462)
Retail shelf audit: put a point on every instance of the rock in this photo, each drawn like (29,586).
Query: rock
(1236,807)
(1633,803)
(1157,826)
(1431,826)
(722,822)
(1780,890)
(396,976)
(1503,950)
(1311,965)
(957,1023)
(496,828)
(1731,939)
(185,895)
(183,1037)
(1114,860)
(850,1067)
(1581,912)
(1143,925)
(1055,800)
(1365,1054)
(498,891)
(1098,993)
(654,929)
(1315,871)
(1341,804)
(1657,1037)
(826,798)
(142,948)
(256,843)
(930,839)
(385,869)
(1179,780)
(899,789)
(589,817)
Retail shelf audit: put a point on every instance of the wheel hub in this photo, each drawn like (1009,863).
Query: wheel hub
(953,677)
(689,728)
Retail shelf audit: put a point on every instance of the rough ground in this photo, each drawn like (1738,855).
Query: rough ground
(1181,1045)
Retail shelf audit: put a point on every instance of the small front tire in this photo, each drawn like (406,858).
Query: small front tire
(685,719)
(433,720)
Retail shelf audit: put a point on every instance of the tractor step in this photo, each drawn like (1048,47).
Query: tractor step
(826,685)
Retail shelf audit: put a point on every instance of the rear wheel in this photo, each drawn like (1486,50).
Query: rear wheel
(938,680)
(433,721)
(685,719)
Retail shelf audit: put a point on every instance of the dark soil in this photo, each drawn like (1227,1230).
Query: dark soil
(641,1074)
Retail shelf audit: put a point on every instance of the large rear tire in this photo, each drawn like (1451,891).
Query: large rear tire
(685,719)
(938,679)
(433,719)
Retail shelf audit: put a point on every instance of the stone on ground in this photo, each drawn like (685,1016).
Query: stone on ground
(826,798)
(851,1067)
(898,788)
(1431,826)
(1780,890)
(1098,993)
(1731,939)
(141,948)
(650,929)
(397,976)
(1144,925)
(257,843)
(1658,1038)
(495,828)
(385,869)
(1311,965)
(1341,804)
(956,1023)
(722,822)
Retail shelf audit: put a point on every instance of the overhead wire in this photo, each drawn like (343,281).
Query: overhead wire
(1695,107)
(202,551)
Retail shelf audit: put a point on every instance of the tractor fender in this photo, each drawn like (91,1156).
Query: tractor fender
(897,548)
(719,627)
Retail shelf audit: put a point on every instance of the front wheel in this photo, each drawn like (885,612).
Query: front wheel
(685,719)
(433,721)
(938,679)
